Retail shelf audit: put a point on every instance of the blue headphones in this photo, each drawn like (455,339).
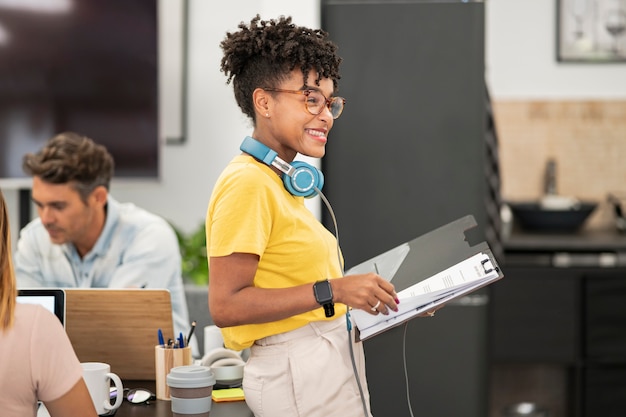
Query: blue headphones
(300,179)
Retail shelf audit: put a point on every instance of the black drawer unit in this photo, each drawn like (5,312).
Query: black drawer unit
(605,390)
(560,313)
(605,317)
(535,315)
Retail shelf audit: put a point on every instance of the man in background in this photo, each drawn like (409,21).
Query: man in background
(85,238)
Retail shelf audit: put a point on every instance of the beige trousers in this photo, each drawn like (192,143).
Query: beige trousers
(306,372)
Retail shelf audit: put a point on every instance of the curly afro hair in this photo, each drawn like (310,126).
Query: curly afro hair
(264,53)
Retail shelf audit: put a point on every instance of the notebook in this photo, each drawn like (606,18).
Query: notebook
(119,327)
(53,299)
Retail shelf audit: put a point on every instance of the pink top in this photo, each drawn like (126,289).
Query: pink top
(37,362)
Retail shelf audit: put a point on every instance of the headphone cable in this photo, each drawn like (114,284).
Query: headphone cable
(406,373)
(348,320)
(349,323)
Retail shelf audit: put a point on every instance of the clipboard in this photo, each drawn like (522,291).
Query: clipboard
(427,272)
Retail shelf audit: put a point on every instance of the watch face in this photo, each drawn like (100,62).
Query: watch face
(323,291)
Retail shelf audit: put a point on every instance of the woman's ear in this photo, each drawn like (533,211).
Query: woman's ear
(261,100)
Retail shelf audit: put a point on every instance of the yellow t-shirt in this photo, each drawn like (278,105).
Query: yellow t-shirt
(250,211)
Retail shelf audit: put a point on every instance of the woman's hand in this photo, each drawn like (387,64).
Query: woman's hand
(368,292)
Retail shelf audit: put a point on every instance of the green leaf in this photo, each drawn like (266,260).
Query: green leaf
(195,266)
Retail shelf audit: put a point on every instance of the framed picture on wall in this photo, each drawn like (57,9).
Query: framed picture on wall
(591,30)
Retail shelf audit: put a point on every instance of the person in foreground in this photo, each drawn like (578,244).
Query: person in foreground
(84,237)
(276,272)
(38,362)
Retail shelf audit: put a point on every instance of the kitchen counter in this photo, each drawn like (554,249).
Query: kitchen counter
(585,240)
(587,248)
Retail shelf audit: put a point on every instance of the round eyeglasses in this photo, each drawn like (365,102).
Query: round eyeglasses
(135,395)
(316,101)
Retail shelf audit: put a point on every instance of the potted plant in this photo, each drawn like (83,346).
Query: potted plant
(195,267)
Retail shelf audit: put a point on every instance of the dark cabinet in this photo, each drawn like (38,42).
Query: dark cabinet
(605,343)
(575,318)
(604,390)
(535,315)
(605,317)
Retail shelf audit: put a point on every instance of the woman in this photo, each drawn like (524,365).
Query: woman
(276,282)
(37,360)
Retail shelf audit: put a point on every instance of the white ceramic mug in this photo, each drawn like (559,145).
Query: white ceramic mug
(98,377)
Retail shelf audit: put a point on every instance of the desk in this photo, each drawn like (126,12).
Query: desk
(161,408)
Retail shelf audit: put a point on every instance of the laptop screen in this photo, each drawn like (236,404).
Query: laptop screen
(53,299)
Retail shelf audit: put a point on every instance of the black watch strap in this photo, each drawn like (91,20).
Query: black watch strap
(329,309)
(324,296)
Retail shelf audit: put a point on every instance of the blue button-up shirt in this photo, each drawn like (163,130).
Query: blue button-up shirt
(136,249)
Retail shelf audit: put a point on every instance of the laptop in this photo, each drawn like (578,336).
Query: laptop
(119,327)
(53,299)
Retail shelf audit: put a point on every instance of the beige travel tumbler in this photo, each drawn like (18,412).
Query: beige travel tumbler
(191,388)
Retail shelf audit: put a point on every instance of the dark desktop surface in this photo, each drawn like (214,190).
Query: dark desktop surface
(162,408)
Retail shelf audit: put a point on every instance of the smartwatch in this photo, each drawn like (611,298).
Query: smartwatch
(324,296)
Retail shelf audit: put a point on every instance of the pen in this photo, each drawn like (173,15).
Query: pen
(161,340)
(181,342)
(193,327)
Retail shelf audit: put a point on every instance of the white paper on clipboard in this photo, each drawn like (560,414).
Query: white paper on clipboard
(435,269)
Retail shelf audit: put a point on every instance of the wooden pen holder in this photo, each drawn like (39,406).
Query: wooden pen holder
(165,359)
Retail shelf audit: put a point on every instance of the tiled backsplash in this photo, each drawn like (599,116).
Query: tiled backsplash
(587,139)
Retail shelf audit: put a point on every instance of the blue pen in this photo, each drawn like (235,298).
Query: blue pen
(181,341)
(161,340)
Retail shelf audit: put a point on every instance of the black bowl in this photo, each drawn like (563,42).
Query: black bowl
(531,216)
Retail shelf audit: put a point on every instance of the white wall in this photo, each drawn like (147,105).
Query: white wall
(521,57)
(521,63)
(216,126)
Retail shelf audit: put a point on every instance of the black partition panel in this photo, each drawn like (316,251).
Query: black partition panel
(407,156)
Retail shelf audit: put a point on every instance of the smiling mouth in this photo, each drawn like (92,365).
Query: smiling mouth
(316,133)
